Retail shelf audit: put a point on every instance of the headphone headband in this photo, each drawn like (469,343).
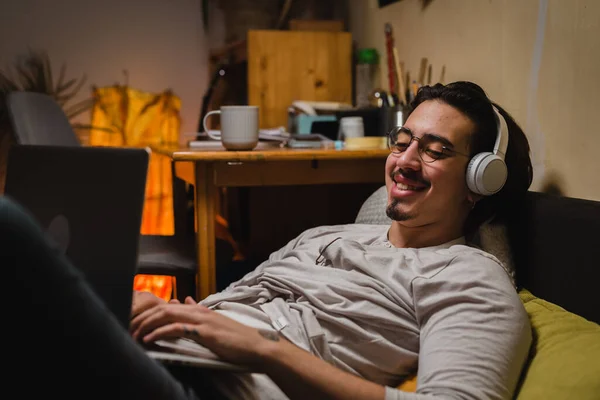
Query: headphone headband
(502,134)
(487,172)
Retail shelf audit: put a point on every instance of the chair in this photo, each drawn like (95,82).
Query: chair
(37,119)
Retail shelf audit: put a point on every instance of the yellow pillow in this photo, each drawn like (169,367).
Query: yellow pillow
(564,362)
(409,385)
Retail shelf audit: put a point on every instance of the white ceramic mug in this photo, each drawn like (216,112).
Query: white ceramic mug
(351,127)
(239,127)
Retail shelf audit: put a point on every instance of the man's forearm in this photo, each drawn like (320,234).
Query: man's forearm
(301,375)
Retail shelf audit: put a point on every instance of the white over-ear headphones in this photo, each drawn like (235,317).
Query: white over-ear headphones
(486,172)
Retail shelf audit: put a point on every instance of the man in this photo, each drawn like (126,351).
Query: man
(348,311)
(341,311)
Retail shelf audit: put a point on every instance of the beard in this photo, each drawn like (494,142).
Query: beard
(394,213)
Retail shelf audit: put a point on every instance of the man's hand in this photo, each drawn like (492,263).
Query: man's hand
(298,373)
(143,301)
(229,339)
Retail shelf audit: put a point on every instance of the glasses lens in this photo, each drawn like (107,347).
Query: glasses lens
(430,150)
(392,139)
(399,141)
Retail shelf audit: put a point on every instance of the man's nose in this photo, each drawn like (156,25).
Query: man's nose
(410,157)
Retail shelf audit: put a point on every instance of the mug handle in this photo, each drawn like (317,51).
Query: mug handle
(212,136)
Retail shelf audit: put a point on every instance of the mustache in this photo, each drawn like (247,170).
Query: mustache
(409,174)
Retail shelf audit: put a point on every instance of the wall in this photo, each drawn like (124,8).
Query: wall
(539,59)
(160,43)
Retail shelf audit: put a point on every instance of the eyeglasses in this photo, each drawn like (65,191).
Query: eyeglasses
(431,147)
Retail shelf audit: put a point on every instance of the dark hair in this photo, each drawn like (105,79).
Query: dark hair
(472,101)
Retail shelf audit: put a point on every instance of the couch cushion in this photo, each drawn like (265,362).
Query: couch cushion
(565,354)
(372,210)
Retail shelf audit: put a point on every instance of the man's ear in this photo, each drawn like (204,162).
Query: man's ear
(473,198)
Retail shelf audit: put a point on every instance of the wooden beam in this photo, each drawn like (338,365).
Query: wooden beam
(185,170)
(205,222)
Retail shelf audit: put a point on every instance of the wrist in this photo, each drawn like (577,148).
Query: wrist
(271,349)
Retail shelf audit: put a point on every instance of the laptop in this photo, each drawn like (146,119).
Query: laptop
(89,200)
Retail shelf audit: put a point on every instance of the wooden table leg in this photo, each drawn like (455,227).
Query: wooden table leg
(204,205)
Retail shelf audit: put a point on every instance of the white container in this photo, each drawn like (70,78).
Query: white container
(351,127)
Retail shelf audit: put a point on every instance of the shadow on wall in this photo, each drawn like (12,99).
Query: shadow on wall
(553,184)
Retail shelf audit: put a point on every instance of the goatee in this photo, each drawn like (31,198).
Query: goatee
(394,213)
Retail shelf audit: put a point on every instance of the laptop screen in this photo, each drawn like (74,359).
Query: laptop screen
(89,200)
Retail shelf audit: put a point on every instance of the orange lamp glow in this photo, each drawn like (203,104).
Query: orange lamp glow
(130,117)
(159,285)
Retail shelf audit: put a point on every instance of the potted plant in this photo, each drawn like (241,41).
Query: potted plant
(33,72)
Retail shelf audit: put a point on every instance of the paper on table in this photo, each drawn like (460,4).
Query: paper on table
(278,134)
(217,145)
(267,138)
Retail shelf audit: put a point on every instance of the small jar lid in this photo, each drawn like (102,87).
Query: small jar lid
(368,56)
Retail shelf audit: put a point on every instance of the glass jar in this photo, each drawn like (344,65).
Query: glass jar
(366,68)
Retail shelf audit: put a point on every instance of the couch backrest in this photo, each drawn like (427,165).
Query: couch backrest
(372,210)
(553,244)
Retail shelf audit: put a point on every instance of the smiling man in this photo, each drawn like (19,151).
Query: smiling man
(349,311)
(425,176)
(364,304)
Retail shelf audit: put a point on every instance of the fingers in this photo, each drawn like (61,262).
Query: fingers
(176,330)
(190,300)
(174,301)
(152,318)
(142,301)
(166,314)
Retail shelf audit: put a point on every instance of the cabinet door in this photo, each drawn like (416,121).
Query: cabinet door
(284,66)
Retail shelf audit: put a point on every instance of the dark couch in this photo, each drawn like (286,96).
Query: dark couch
(555,244)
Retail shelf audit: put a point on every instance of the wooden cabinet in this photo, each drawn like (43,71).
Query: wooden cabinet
(284,66)
(272,68)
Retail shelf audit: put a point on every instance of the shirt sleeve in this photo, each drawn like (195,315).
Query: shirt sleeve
(474,332)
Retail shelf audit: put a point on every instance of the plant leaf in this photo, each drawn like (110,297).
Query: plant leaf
(92,128)
(25,79)
(61,78)
(46,71)
(33,72)
(7,84)
(68,96)
(65,86)
(78,108)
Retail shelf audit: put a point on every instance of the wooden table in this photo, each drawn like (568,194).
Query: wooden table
(208,169)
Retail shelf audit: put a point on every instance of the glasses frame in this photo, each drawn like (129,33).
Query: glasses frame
(447,151)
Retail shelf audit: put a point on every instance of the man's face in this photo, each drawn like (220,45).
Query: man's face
(436,193)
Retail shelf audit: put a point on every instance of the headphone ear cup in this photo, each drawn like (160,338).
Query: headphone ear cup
(486,174)
(472,168)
